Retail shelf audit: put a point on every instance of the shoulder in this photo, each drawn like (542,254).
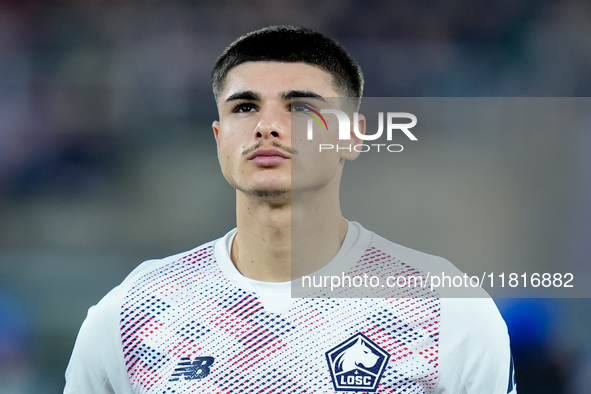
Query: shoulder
(148,272)
(114,299)
(469,324)
(474,346)
(145,274)
(473,342)
(148,267)
(422,261)
(440,277)
(97,358)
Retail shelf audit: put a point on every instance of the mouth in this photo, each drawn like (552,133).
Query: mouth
(268,157)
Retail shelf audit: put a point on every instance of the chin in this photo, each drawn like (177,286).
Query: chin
(269,193)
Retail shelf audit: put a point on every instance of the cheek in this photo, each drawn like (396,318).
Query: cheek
(230,149)
(224,152)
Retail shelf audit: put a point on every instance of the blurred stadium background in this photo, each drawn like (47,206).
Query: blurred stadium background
(107,156)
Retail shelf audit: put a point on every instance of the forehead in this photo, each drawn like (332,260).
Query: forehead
(273,78)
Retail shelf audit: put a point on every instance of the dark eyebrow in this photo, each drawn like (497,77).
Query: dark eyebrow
(301,94)
(246,95)
(253,96)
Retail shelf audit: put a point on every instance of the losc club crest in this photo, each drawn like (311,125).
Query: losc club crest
(357,364)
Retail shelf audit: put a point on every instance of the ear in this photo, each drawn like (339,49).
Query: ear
(355,140)
(216,133)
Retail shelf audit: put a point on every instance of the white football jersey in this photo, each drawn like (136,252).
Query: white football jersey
(191,323)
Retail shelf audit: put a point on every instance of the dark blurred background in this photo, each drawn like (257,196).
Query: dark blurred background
(107,156)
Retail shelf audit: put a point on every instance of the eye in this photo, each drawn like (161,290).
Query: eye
(244,107)
(300,107)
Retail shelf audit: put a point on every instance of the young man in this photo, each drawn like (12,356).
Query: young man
(220,318)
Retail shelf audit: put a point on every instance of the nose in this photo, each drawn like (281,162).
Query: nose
(273,124)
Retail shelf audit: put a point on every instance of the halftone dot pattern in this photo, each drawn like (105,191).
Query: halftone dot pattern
(190,309)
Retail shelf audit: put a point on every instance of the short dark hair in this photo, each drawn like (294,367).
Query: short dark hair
(291,44)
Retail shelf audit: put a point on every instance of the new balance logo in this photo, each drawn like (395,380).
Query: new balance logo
(190,370)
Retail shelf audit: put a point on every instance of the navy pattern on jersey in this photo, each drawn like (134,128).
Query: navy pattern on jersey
(186,328)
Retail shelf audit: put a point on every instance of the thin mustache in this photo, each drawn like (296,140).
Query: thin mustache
(275,144)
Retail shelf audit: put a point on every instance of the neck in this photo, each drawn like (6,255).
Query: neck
(306,232)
